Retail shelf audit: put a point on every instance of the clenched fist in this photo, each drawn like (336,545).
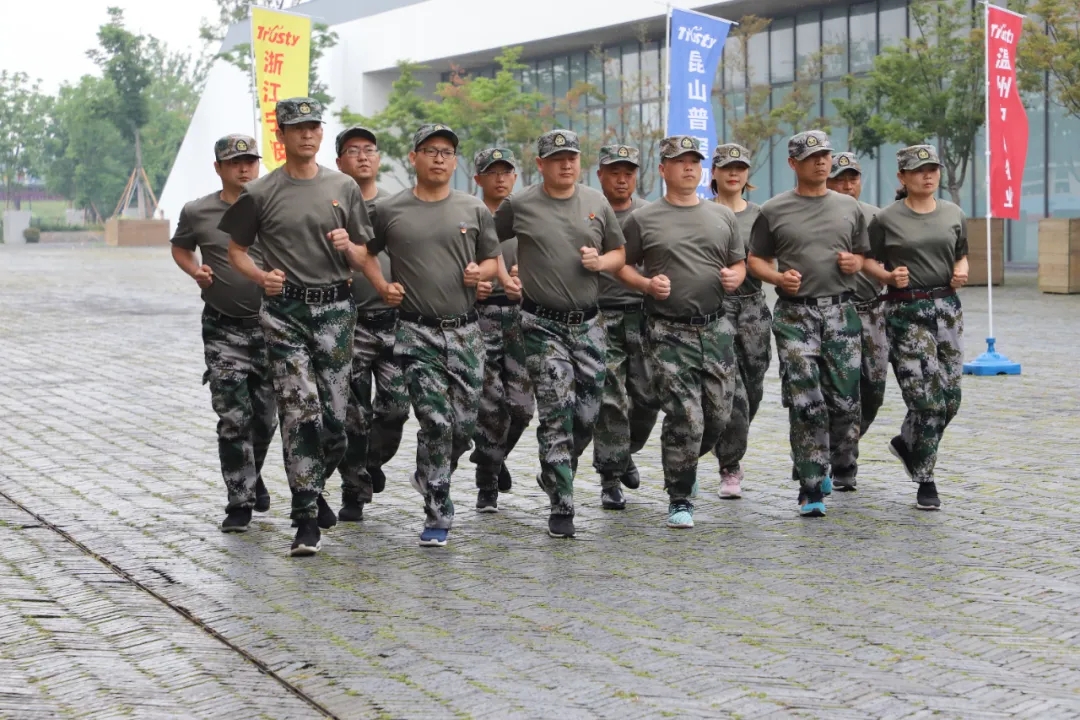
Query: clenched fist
(472,274)
(340,238)
(660,287)
(513,288)
(483,290)
(849,264)
(393,294)
(590,259)
(900,277)
(959,279)
(790,282)
(204,276)
(729,280)
(274,282)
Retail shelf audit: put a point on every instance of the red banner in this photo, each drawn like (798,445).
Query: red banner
(1007,124)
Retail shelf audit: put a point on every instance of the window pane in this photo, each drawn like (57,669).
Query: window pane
(613,75)
(650,69)
(732,67)
(834,36)
(863,24)
(1064,158)
(577,69)
(594,75)
(782,50)
(886,175)
(892,22)
(781,173)
(544,79)
(758,69)
(631,71)
(562,76)
(807,38)
(838,131)
(1024,233)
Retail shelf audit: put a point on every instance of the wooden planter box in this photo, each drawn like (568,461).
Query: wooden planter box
(1059,255)
(126,232)
(976,228)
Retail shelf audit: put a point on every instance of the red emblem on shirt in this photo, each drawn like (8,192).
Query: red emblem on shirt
(334,203)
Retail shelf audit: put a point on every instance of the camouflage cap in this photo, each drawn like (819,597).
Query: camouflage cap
(234,146)
(611,154)
(678,145)
(430,130)
(556,141)
(914,157)
(489,156)
(729,154)
(298,110)
(356,131)
(842,162)
(808,143)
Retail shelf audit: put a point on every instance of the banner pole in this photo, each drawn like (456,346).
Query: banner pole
(667,71)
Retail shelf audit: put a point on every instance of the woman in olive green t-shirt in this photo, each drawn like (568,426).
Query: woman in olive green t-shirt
(922,241)
(748,312)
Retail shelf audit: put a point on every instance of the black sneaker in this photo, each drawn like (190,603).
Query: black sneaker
(927,498)
(845,484)
(561,526)
(378,479)
(327,518)
(899,451)
(612,498)
(308,539)
(505,481)
(236,521)
(487,501)
(631,478)
(351,511)
(262,496)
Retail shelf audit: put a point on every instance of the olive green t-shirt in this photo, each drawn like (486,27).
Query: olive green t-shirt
(866,287)
(927,244)
(551,233)
(745,218)
(292,218)
(363,292)
(610,291)
(690,245)
(808,234)
(430,244)
(231,293)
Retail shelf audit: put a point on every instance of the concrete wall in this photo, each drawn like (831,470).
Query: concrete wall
(15,221)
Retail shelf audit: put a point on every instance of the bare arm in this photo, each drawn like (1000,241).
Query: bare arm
(502,274)
(373,272)
(613,260)
(764,269)
(631,278)
(875,270)
(239,259)
(490,268)
(960,273)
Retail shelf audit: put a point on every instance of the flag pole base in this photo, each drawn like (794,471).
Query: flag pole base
(991,362)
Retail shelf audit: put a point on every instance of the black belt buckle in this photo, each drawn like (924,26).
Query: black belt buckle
(699,320)
(450,323)
(575,317)
(825,301)
(314,296)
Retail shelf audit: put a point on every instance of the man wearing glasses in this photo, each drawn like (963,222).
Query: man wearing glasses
(441,244)
(506,404)
(374,428)
(567,235)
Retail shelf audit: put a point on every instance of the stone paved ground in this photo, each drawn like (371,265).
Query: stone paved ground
(877,611)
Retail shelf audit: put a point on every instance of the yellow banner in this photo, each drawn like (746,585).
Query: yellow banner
(281,52)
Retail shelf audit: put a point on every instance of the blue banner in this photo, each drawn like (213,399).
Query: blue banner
(697,44)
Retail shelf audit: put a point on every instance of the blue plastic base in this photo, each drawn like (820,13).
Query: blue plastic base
(991,362)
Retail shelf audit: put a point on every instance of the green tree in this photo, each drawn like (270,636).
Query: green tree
(405,111)
(929,88)
(1050,47)
(23,110)
(757,120)
(230,12)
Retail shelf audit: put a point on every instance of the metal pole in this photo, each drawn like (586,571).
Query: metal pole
(989,212)
(667,75)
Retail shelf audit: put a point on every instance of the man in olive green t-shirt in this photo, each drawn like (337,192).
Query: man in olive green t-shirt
(567,235)
(441,244)
(506,404)
(308,220)
(810,243)
(237,364)
(692,257)
(373,425)
(627,411)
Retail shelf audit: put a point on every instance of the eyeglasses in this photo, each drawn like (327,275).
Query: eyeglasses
(356,152)
(498,173)
(444,153)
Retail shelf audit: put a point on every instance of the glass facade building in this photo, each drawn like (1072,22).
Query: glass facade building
(629,77)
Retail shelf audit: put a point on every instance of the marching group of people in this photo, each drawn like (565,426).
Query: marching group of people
(331,306)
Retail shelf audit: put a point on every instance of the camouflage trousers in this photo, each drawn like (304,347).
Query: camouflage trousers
(238,371)
(819,351)
(927,354)
(373,426)
(750,316)
(506,403)
(310,359)
(444,374)
(696,374)
(627,409)
(875,362)
(566,365)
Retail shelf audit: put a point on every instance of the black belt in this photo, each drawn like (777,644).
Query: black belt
(695,320)
(625,307)
(377,319)
(316,295)
(223,319)
(908,295)
(867,304)
(498,301)
(819,301)
(567,317)
(449,322)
